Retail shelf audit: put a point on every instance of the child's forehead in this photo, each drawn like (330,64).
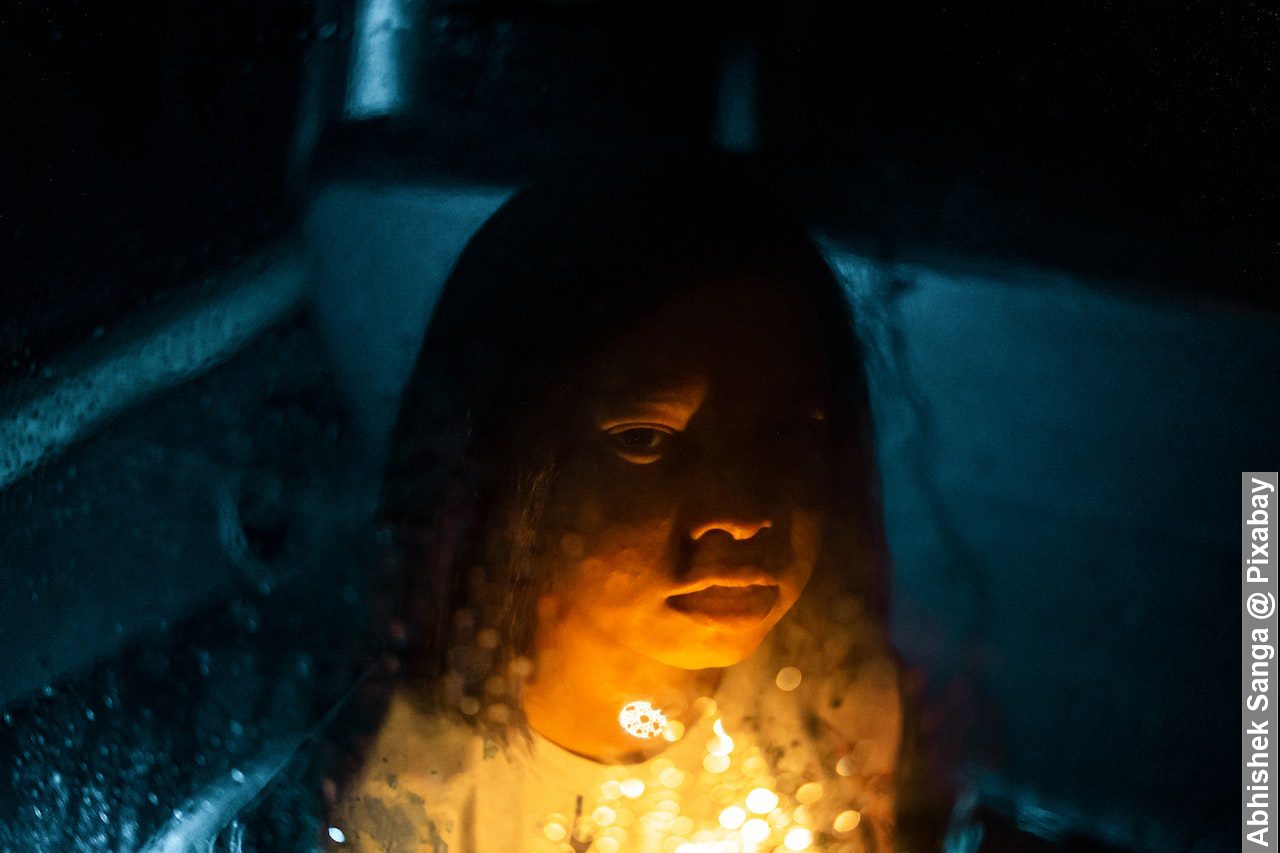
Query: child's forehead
(713,330)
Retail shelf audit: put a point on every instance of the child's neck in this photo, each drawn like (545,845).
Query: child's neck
(581,683)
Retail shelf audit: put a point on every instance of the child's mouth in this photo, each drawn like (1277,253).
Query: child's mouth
(740,605)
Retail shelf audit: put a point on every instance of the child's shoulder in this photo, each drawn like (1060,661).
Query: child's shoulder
(414,742)
(415,782)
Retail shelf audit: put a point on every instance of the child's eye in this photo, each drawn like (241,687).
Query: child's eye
(640,443)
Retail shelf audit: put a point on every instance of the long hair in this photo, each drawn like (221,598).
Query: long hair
(560,269)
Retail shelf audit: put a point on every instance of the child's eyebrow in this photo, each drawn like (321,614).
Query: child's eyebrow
(670,404)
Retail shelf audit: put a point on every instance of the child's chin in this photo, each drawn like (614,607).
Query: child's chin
(712,655)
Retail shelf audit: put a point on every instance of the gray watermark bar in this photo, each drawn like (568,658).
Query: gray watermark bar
(1258,624)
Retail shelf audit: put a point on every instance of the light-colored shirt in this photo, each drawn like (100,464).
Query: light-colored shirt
(761,768)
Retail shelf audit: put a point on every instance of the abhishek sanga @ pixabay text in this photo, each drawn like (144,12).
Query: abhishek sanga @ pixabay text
(1258,652)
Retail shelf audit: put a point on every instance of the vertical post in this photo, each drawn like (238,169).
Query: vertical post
(737,111)
(381,58)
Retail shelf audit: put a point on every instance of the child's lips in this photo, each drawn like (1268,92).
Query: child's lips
(722,604)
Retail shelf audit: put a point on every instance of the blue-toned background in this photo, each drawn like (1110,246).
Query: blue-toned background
(228,230)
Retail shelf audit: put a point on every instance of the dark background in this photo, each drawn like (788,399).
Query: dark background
(1058,222)
(150,142)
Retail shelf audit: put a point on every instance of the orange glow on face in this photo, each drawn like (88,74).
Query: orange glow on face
(691,497)
(685,512)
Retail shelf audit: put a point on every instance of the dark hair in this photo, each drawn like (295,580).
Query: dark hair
(554,273)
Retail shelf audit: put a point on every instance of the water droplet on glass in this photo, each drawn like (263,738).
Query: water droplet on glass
(788,678)
(847,821)
(732,817)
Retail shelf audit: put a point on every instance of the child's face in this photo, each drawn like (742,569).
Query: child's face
(686,518)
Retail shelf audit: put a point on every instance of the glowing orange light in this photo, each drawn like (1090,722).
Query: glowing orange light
(755,830)
(810,792)
(798,839)
(732,817)
(762,800)
(640,719)
(632,788)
